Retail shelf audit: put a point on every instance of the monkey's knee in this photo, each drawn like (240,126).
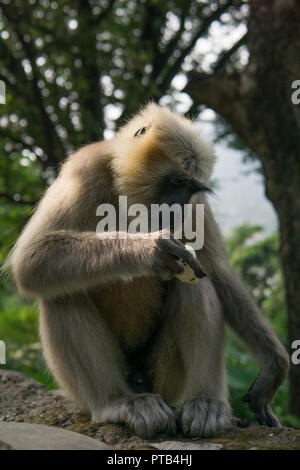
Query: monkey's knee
(145,414)
(205,417)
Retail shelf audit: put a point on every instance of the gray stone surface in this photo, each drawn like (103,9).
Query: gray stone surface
(178,445)
(23,436)
(4,446)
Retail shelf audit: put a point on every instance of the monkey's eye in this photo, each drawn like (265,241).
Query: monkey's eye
(141,131)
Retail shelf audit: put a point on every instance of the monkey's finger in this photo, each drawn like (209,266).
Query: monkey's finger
(177,249)
(240,422)
(258,410)
(265,419)
(261,419)
(194,264)
(246,398)
(178,242)
(182,253)
(271,419)
(198,269)
(262,412)
(176,266)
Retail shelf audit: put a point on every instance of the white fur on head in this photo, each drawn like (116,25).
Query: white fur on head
(172,134)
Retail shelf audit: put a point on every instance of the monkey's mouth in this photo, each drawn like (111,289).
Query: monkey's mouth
(179,189)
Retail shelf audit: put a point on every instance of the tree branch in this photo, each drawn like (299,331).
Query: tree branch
(54,147)
(223,93)
(92,113)
(161,58)
(17,139)
(224,58)
(105,11)
(11,199)
(202,30)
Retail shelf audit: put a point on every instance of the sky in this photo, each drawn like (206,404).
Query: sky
(240,196)
(239,190)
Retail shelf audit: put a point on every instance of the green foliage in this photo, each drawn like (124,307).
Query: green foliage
(18,321)
(19,330)
(256,259)
(22,181)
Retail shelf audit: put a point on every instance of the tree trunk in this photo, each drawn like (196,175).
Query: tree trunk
(274,45)
(258,105)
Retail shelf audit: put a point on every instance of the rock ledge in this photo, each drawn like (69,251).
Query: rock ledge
(24,400)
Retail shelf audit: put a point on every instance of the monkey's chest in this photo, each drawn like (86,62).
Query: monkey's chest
(132,310)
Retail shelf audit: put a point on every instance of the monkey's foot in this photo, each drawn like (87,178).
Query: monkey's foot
(262,410)
(146,414)
(204,417)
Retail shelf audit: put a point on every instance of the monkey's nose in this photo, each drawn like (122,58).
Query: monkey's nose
(197,186)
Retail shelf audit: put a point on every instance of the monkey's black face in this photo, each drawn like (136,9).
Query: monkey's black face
(178,189)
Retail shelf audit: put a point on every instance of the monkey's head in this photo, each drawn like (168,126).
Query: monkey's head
(159,156)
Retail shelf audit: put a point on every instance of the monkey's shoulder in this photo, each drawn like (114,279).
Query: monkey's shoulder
(88,160)
(85,178)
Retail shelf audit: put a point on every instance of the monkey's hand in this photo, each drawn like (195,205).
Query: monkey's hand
(170,256)
(259,399)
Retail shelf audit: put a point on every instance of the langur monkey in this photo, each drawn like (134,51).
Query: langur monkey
(120,333)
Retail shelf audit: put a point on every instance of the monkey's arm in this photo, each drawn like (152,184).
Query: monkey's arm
(60,262)
(65,261)
(246,320)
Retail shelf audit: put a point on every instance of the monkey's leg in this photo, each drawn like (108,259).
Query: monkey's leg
(81,352)
(87,362)
(188,359)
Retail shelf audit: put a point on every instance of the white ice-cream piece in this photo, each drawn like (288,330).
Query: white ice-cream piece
(188,274)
